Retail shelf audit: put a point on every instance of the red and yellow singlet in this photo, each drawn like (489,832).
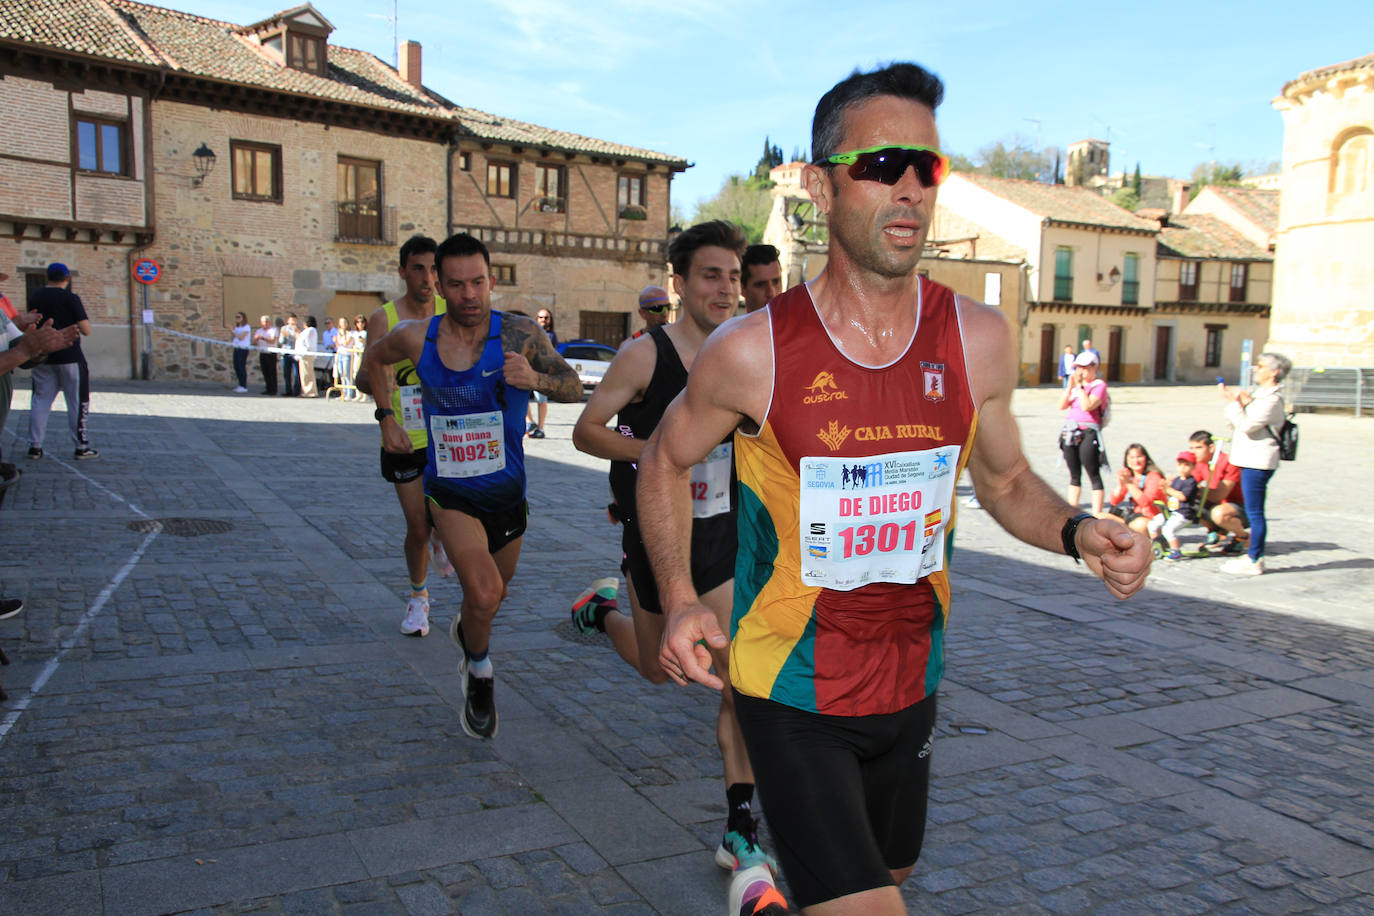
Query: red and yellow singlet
(846,515)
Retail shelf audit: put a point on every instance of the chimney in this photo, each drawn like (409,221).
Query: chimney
(409,68)
(1180,201)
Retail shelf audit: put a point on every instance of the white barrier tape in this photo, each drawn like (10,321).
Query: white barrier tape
(224,343)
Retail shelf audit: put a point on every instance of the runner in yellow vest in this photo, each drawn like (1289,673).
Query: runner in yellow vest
(402,420)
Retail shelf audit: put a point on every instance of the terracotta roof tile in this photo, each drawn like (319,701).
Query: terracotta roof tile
(1061,203)
(139,33)
(1259,206)
(1200,236)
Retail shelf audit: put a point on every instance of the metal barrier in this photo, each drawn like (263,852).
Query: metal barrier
(347,362)
(1330,387)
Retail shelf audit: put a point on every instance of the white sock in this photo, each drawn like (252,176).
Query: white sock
(482,668)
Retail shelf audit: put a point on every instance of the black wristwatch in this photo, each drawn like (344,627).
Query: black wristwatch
(1069,531)
(382,412)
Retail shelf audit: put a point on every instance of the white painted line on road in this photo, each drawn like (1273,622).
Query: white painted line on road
(50,668)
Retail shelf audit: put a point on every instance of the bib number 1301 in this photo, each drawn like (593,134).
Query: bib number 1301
(865,539)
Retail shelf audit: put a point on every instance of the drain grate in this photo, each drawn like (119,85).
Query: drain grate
(182,527)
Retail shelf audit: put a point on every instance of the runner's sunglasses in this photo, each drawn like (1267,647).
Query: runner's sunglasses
(888,164)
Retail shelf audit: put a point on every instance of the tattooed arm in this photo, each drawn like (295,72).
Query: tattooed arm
(533,364)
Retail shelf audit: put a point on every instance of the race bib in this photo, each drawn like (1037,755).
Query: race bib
(469,445)
(711,482)
(878,518)
(412,414)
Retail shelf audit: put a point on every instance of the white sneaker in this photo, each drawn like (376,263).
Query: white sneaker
(1243,566)
(441,564)
(417,617)
(240,390)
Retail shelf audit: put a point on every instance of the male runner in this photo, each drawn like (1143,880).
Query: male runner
(653,309)
(403,424)
(641,381)
(762,277)
(475,368)
(856,397)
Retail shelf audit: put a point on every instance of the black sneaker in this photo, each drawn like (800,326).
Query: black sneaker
(479,710)
(85,451)
(10,606)
(35,453)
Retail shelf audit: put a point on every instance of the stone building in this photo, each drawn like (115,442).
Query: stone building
(1323,270)
(269,170)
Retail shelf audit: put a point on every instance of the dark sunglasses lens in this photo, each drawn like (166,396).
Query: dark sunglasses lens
(889,165)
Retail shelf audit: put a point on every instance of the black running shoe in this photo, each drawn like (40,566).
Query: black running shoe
(479,712)
(10,606)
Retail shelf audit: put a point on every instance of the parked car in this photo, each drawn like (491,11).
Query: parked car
(589,358)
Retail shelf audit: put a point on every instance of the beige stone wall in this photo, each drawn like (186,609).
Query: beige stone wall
(1095,253)
(568,286)
(1323,273)
(204,234)
(1214,281)
(1069,328)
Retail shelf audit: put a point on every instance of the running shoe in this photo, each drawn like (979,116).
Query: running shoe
(10,606)
(536,433)
(590,609)
(1243,566)
(1234,546)
(35,453)
(240,390)
(479,706)
(1174,554)
(416,622)
(753,893)
(441,564)
(85,451)
(1212,538)
(741,849)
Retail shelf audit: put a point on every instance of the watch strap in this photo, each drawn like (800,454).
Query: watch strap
(1069,531)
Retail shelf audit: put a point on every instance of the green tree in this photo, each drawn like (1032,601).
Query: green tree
(1135,185)
(1016,158)
(1222,175)
(958,162)
(1126,197)
(742,201)
(771,158)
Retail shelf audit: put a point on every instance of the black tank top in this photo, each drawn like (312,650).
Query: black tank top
(640,418)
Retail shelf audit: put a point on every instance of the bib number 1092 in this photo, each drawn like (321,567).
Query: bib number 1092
(862,540)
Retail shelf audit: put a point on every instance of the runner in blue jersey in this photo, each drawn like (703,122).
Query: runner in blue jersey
(476,369)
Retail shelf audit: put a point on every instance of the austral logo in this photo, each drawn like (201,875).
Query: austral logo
(823,388)
(834,436)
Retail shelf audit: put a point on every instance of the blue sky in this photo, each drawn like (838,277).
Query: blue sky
(1169,84)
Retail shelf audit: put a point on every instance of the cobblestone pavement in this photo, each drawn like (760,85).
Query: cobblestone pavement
(230,721)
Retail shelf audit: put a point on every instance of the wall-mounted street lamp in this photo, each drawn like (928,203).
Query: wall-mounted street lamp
(204,159)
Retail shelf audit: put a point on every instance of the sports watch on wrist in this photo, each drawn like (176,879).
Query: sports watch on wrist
(382,412)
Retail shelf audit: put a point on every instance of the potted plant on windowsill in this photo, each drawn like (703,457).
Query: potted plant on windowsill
(549,205)
(633,211)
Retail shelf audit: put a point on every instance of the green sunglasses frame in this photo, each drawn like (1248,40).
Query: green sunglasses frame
(852,156)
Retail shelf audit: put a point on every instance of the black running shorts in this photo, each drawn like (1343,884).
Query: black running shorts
(398,467)
(714,543)
(501,527)
(845,796)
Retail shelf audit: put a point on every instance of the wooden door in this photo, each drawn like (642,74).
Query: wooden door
(609,328)
(1164,336)
(1049,357)
(1114,355)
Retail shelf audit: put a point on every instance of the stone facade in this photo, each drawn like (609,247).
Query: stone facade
(1323,311)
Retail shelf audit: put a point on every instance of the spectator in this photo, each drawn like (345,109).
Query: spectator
(241,332)
(1080,439)
(1256,417)
(1088,348)
(1182,497)
(1065,366)
(61,370)
(307,341)
(286,339)
(1223,507)
(1140,484)
(539,401)
(357,341)
(265,335)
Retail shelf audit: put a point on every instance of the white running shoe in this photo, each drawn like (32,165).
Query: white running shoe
(1243,566)
(417,617)
(441,564)
(240,390)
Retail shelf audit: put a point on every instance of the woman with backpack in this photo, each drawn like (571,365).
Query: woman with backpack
(1080,439)
(1256,416)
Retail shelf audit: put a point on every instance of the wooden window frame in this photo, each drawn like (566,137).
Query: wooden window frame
(125,166)
(465,162)
(1242,270)
(623,200)
(512,181)
(1187,292)
(503,275)
(355,162)
(1063,283)
(1211,351)
(273,150)
(297,62)
(551,203)
(1130,286)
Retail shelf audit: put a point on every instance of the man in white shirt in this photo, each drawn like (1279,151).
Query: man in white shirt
(307,341)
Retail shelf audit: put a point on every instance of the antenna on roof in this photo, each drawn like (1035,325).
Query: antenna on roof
(395,36)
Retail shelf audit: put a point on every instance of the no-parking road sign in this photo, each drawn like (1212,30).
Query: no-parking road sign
(147,270)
